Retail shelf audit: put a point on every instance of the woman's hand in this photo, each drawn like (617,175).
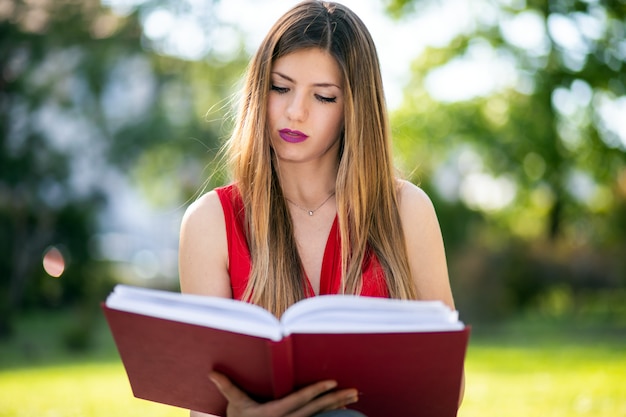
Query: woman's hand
(306,402)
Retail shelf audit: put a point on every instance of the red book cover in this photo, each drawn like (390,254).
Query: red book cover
(169,362)
(397,374)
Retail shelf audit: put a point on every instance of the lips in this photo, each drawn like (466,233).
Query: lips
(292,136)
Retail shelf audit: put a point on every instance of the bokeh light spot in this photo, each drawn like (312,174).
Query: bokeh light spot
(53,262)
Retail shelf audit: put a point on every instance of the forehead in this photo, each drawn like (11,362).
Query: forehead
(309,66)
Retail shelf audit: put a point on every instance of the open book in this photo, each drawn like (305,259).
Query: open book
(405,357)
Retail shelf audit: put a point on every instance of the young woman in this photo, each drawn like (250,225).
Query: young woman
(314,206)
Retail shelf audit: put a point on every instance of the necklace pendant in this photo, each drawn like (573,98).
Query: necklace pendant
(310,212)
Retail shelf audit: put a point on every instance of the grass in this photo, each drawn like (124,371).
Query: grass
(99,389)
(526,368)
(39,377)
(548,369)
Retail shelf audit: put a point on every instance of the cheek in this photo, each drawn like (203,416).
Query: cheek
(273,109)
(337,122)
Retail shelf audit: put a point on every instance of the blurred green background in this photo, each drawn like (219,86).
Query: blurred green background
(514,121)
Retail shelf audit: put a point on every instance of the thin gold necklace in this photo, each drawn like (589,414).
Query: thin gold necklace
(311,212)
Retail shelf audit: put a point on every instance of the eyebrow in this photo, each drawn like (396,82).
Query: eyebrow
(291,80)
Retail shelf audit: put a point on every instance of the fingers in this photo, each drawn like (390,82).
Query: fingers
(305,402)
(314,399)
(330,401)
(229,390)
(305,395)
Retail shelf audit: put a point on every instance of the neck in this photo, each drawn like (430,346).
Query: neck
(307,185)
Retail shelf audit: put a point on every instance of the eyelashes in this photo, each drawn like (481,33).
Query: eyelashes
(326,99)
(280,90)
(320,98)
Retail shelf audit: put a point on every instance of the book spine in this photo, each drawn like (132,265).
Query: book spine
(281,361)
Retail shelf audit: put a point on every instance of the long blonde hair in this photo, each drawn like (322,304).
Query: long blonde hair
(366,187)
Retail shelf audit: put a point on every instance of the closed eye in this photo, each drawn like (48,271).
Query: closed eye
(280,90)
(326,99)
(320,98)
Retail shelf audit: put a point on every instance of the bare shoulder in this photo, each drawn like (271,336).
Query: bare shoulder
(203,249)
(417,214)
(203,221)
(413,202)
(204,210)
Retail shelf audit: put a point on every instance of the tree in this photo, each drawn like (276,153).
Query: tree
(550,137)
(86,97)
(534,163)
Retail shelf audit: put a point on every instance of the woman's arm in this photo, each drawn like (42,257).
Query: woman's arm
(203,252)
(203,249)
(427,257)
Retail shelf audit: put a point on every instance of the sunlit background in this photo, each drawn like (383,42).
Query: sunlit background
(511,114)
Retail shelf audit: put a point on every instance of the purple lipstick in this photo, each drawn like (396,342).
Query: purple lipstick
(292,136)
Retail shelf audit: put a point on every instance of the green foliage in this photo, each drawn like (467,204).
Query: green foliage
(534,160)
(86,99)
(492,284)
(399,8)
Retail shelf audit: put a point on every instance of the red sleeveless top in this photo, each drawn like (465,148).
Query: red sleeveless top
(239,264)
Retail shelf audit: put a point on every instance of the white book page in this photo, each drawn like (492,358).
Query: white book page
(215,312)
(354,314)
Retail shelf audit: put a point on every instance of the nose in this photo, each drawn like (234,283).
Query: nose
(297,109)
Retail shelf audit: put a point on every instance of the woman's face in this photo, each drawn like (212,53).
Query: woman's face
(305,106)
